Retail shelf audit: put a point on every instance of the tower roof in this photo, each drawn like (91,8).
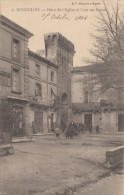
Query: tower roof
(61,39)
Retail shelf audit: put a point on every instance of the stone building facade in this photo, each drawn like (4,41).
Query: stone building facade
(27,84)
(14,69)
(91,108)
(42,85)
(36,90)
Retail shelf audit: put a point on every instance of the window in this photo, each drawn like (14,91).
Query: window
(52,76)
(120,93)
(38,91)
(51,95)
(37,70)
(86,96)
(16,49)
(15,79)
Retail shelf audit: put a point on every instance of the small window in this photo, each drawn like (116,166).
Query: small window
(86,96)
(38,91)
(15,80)
(51,95)
(16,49)
(52,76)
(37,70)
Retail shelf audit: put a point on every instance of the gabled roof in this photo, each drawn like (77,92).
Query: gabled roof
(42,59)
(14,26)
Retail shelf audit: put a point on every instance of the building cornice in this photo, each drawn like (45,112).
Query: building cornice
(88,68)
(43,81)
(15,26)
(14,63)
(17,98)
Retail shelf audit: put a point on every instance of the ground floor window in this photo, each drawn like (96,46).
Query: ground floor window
(121,122)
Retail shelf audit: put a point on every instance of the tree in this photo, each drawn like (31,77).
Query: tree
(108,49)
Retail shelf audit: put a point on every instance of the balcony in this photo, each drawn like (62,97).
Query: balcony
(37,100)
(90,106)
(98,106)
(112,104)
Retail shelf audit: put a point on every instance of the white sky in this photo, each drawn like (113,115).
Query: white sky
(78,32)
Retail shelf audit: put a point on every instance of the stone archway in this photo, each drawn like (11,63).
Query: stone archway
(64,99)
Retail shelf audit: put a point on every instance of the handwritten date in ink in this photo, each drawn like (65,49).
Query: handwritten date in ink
(62,17)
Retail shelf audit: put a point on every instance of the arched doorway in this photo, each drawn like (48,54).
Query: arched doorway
(64,111)
(64,99)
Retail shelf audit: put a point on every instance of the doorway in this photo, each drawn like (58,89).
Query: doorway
(88,122)
(52,122)
(17,121)
(38,121)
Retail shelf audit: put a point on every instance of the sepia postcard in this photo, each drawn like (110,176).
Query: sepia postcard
(61,97)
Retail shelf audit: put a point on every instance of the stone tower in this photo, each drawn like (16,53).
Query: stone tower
(60,51)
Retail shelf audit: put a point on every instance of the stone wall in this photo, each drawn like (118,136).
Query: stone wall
(115,157)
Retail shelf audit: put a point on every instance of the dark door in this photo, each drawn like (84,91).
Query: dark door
(38,122)
(17,122)
(121,122)
(88,121)
(52,123)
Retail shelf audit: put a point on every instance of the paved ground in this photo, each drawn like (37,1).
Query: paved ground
(49,165)
(113,185)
